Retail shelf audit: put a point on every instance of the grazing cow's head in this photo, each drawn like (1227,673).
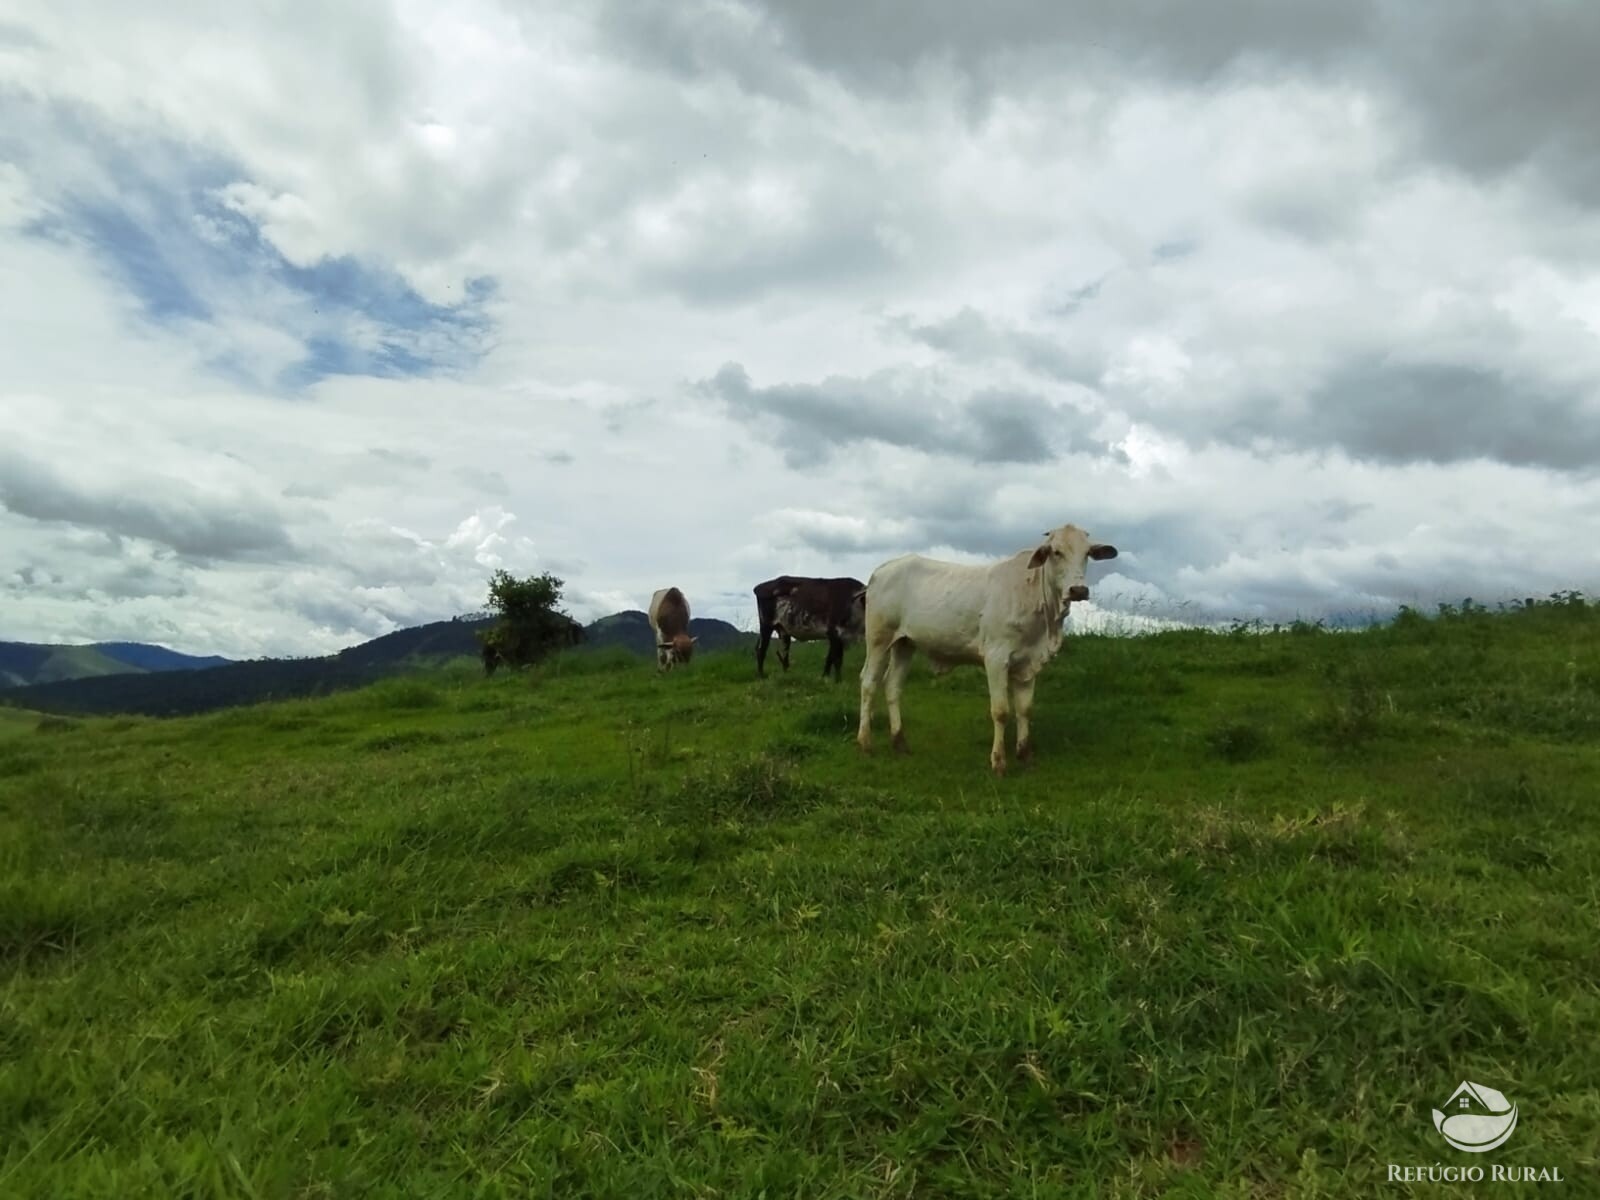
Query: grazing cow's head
(1066,553)
(680,649)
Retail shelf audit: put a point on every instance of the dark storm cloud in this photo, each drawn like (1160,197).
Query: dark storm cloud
(336,611)
(1486,89)
(1378,410)
(938,516)
(737,258)
(970,336)
(18,37)
(810,421)
(491,483)
(1307,209)
(401,458)
(310,489)
(876,44)
(700,40)
(114,578)
(165,580)
(1424,412)
(1495,87)
(164,511)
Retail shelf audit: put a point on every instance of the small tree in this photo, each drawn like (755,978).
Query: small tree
(531,625)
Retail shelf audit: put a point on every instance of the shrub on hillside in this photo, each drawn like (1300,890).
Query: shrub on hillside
(531,625)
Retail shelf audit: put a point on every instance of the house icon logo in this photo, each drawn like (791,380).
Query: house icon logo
(1476,1118)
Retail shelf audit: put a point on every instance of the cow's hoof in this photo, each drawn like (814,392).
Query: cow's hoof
(998,766)
(1024,751)
(864,746)
(898,741)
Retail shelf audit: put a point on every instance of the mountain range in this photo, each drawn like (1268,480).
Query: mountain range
(132,677)
(27,662)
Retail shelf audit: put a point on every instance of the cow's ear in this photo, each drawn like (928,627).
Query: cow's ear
(694,641)
(1102,550)
(1039,556)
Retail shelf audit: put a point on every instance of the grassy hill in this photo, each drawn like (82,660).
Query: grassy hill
(1263,901)
(172,693)
(124,689)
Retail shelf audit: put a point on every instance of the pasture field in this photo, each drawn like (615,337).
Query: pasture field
(1261,903)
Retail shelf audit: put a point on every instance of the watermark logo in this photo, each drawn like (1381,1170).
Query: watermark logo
(1476,1118)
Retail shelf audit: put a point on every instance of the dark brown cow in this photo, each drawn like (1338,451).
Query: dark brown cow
(807,610)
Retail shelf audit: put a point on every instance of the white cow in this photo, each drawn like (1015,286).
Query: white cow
(1005,617)
(669,621)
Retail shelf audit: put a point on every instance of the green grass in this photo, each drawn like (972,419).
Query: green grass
(1261,903)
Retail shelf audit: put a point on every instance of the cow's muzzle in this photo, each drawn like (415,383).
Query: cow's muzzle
(1078,592)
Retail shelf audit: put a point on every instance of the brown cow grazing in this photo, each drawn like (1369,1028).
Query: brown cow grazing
(669,620)
(798,609)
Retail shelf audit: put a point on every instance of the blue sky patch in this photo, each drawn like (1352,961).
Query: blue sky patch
(168,240)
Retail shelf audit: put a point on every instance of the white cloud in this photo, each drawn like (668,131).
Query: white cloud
(1299,321)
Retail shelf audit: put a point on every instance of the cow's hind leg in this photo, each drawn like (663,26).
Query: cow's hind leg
(998,669)
(900,656)
(784,642)
(871,675)
(835,660)
(1022,705)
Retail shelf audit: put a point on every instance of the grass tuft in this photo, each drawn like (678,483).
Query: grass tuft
(1238,741)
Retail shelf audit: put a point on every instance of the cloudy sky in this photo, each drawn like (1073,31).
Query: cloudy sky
(315,314)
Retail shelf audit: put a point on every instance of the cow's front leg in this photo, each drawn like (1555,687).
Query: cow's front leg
(998,668)
(1022,705)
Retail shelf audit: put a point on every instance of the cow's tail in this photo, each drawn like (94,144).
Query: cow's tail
(767,606)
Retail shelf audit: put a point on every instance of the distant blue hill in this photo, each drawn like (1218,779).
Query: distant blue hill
(68,681)
(158,658)
(23,663)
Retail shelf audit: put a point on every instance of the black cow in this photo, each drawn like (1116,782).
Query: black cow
(492,658)
(808,610)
